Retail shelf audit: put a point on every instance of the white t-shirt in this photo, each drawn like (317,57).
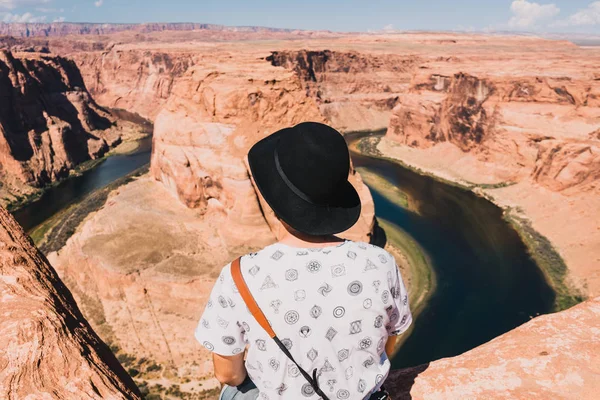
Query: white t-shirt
(332,307)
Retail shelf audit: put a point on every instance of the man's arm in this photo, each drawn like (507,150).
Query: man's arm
(390,346)
(229,370)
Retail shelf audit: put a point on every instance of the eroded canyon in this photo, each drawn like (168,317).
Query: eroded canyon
(525,135)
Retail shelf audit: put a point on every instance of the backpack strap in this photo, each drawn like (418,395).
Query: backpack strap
(259,316)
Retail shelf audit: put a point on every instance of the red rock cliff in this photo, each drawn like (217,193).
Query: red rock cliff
(47,348)
(48,121)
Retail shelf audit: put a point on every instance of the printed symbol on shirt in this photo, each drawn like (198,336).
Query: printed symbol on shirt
(228,340)
(312,354)
(305,331)
(222,323)
(237,350)
(343,394)
(404,318)
(302,253)
(395,291)
(246,326)
(268,283)
(378,379)
(209,304)
(362,246)
(299,295)
(267,385)
(385,296)
(380,345)
(277,255)
(368,362)
(339,312)
(330,334)
(291,317)
(325,289)
(230,302)
(362,386)
(263,396)
(261,344)
(389,279)
(293,371)
(315,249)
(273,363)
(316,311)
(389,310)
(376,285)
(281,388)
(331,383)
(343,354)
(405,300)
(313,266)
(326,251)
(354,288)
(349,372)
(355,327)
(365,343)
(252,255)
(209,346)
(370,265)
(287,343)
(394,316)
(260,367)
(378,321)
(327,367)
(351,255)
(205,324)
(338,270)
(234,288)
(382,258)
(367,303)
(291,275)
(254,270)
(307,390)
(276,304)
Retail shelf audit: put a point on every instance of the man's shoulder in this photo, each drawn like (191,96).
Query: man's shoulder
(372,252)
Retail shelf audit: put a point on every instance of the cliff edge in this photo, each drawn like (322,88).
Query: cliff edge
(47,348)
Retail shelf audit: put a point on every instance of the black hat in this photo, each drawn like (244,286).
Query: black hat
(302,172)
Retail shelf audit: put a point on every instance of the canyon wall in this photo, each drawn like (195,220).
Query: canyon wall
(68,28)
(47,349)
(554,356)
(355,91)
(137,80)
(48,122)
(527,138)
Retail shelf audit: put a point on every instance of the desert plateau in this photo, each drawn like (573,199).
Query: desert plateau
(123,155)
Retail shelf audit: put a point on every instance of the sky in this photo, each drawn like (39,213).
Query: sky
(579,16)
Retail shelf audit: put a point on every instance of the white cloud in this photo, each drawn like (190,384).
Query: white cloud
(587,16)
(99,3)
(12,4)
(530,15)
(22,18)
(389,28)
(59,19)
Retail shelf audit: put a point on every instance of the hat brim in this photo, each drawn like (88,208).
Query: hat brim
(339,215)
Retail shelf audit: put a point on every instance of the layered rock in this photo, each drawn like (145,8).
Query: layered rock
(552,357)
(47,348)
(526,135)
(48,122)
(355,91)
(133,79)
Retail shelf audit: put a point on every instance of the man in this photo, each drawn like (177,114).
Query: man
(334,304)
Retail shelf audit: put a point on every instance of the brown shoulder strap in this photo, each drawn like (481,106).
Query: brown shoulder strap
(259,316)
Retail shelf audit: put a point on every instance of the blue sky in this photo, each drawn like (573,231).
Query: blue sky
(349,15)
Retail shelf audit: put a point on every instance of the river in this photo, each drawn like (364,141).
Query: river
(74,189)
(487,284)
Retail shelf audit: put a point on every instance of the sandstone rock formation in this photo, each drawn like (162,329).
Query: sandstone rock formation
(552,357)
(48,122)
(527,133)
(355,91)
(133,79)
(47,349)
